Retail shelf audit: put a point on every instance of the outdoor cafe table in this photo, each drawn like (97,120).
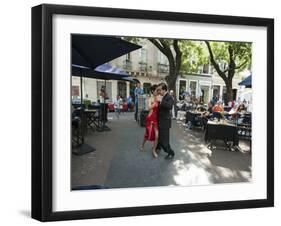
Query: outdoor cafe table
(227,108)
(90,118)
(221,130)
(193,116)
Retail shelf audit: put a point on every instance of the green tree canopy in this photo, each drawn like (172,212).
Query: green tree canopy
(186,56)
(236,57)
(195,54)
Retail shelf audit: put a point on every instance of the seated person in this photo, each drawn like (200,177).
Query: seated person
(241,108)
(181,114)
(209,110)
(207,115)
(241,118)
(200,108)
(217,110)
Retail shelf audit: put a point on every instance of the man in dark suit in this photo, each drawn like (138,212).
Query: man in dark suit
(165,120)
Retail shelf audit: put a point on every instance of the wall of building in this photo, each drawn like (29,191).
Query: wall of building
(209,81)
(91,91)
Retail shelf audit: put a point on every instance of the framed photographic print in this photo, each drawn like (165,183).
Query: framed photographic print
(145,112)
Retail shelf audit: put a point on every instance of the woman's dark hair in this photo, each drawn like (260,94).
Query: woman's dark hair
(163,86)
(153,88)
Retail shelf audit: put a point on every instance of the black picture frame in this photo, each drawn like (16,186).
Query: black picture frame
(42,111)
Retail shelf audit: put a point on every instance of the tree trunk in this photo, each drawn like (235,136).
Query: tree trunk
(171,81)
(229,91)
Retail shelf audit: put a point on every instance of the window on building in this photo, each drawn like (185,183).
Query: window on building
(146,88)
(206,68)
(127,63)
(162,59)
(108,89)
(75,91)
(182,89)
(122,89)
(143,60)
(128,56)
(163,63)
(143,55)
(192,87)
(216,91)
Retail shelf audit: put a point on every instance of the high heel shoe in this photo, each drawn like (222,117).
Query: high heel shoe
(154,154)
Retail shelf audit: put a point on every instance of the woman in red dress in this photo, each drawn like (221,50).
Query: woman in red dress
(151,125)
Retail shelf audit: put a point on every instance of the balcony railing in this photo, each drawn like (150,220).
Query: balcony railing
(162,68)
(127,65)
(143,66)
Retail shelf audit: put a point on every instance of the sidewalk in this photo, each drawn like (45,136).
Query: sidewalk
(117,162)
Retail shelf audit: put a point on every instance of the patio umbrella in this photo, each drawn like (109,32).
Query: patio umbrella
(128,79)
(247,82)
(104,72)
(90,51)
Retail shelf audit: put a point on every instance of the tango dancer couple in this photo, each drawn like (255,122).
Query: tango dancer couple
(159,121)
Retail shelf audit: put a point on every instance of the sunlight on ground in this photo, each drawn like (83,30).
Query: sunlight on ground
(223,172)
(200,171)
(190,174)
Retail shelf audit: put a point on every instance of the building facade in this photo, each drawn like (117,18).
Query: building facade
(149,66)
(206,85)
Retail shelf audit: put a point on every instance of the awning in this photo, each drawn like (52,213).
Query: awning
(246,82)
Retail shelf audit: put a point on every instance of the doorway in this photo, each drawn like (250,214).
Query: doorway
(205,94)
(122,89)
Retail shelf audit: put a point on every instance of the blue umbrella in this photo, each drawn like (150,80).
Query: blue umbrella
(104,72)
(128,79)
(246,82)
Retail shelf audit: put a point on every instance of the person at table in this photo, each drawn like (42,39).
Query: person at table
(210,109)
(151,124)
(217,110)
(103,104)
(200,108)
(214,100)
(207,115)
(196,102)
(231,104)
(138,91)
(239,111)
(241,108)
